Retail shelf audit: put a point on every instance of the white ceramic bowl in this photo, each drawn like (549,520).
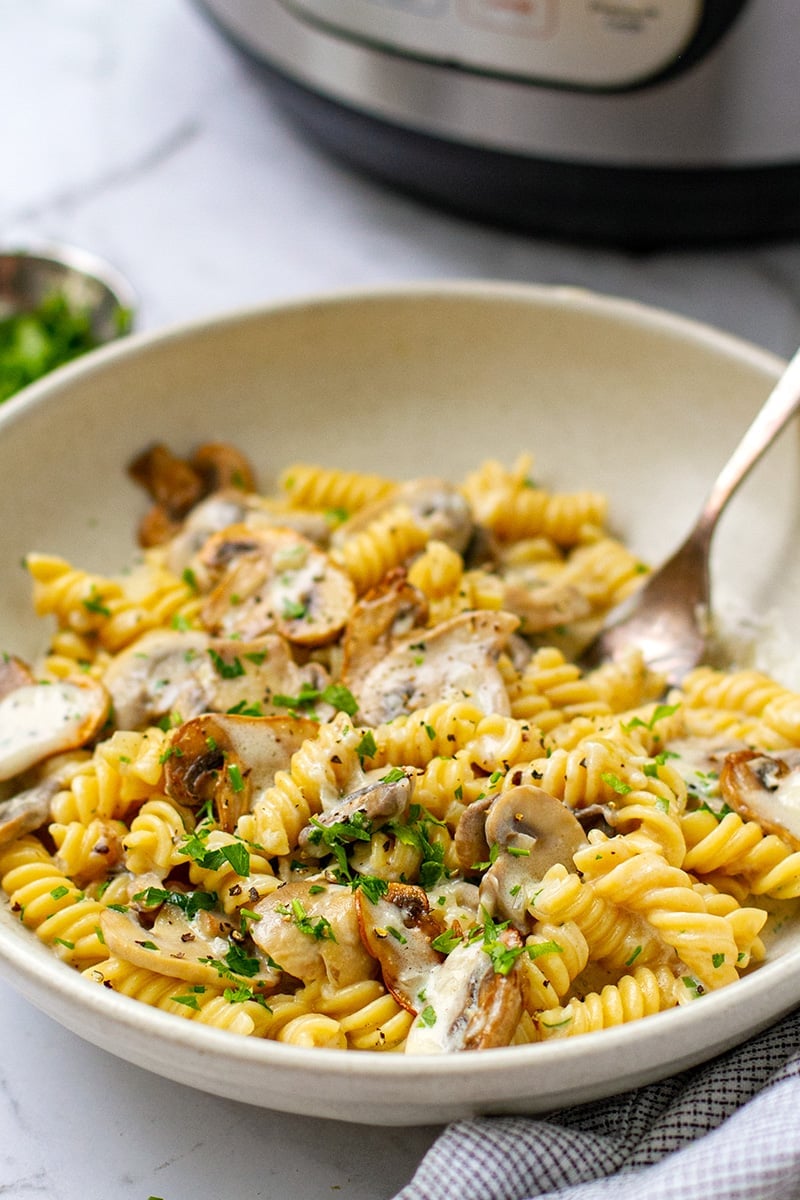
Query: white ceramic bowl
(605,393)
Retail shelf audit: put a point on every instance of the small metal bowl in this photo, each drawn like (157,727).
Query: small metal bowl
(88,283)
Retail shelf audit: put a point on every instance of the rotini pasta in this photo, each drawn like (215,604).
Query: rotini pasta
(395,815)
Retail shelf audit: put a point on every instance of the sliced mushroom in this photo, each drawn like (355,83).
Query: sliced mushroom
(397,930)
(197,950)
(437,506)
(371,806)
(38,720)
(394,609)
(468,1004)
(545,606)
(311,928)
(168,672)
(231,760)
(231,507)
(532,831)
(765,788)
(456,660)
(274,579)
(470,842)
(26,811)
(178,485)
(14,673)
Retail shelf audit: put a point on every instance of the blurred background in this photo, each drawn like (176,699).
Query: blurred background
(142,133)
(228,153)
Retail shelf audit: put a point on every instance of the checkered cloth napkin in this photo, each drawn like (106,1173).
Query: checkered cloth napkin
(729,1129)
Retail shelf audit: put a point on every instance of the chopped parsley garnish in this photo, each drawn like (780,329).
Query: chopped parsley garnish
(659,713)
(294,610)
(226,670)
(189,902)
(235,853)
(235,776)
(335,694)
(367,747)
(94,604)
(615,783)
(320,929)
(36,341)
(427,1016)
(415,833)
(243,709)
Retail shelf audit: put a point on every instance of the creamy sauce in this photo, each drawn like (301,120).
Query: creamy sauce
(38,720)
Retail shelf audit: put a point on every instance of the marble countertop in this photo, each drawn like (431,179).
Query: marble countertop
(136,131)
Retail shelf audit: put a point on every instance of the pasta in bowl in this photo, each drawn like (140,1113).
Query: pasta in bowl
(318,768)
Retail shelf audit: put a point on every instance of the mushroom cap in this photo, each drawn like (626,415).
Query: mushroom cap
(274,579)
(533,831)
(231,759)
(38,720)
(765,788)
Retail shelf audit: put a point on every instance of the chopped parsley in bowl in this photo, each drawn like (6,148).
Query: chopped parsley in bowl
(55,305)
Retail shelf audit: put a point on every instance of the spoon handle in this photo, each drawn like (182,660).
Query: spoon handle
(779,407)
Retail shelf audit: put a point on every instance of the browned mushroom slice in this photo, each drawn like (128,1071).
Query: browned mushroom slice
(196,950)
(456,660)
(13,674)
(470,842)
(397,930)
(169,480)
(765,788)
(274,579)
(545,606)
(231,759)
(437,507)
(468,1004)
(26,811)
(221,465)
(168,672)
(311,928)
(363,810)
(532,831)
(390,611)
(38,720)
(231,507)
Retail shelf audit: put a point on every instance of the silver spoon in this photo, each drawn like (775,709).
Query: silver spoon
(667,619)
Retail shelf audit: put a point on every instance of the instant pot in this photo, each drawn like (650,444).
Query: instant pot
(635,122)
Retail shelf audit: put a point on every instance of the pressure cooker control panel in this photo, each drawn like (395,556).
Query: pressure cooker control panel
(606,44)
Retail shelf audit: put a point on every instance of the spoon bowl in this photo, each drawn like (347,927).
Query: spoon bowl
(89,284)
(668,619)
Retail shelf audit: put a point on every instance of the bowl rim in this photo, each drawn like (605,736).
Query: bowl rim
(48,975)
(567,296)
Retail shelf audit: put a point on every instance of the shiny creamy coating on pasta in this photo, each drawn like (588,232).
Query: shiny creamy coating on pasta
(337,780)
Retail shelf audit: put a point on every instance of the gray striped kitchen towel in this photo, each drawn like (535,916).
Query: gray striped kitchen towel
(728,1130)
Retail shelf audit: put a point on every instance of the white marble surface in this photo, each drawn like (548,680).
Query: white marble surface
(135,131)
